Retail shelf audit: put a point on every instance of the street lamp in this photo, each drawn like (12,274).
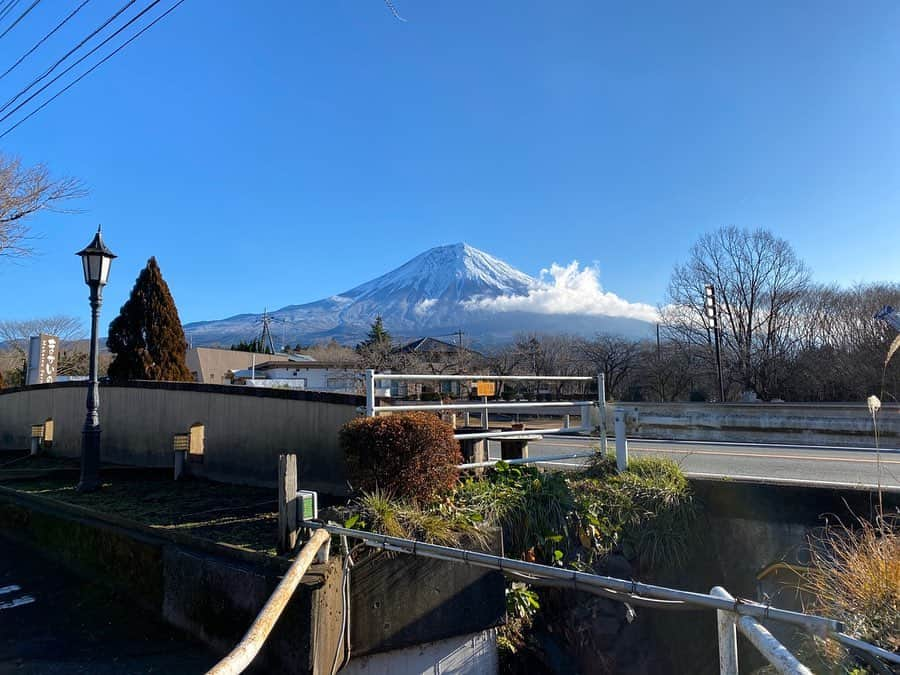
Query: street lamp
(713,316)
(96,259)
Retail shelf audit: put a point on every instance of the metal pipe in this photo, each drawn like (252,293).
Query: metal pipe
(728,646)
(246,650)
(465,378)
(845,639)
(524,432)
(814,624)
(480,406)
(621,441)
(601,401)
(528,460)
(370,393)
(774,652)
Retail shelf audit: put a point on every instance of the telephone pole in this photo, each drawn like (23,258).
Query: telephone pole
(712,314)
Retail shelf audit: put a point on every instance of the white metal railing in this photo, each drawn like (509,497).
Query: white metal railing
(592,412)
(738,613)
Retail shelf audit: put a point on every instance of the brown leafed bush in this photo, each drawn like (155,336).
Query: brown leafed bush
(412,456)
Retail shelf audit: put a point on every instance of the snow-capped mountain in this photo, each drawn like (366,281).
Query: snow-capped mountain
(439,291)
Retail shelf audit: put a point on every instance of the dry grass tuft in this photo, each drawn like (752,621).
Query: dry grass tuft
(855,577)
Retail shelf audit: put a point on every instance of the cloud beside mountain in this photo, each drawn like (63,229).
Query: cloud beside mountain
(569,289)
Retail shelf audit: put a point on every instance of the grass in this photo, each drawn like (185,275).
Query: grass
(236,515)
(854,576)
(437,523)
(647,512)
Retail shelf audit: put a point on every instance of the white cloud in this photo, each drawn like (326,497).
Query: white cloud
(568,289)
(425,305)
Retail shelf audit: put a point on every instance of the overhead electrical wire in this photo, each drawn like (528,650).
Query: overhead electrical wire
(95,66)
(91,52)
(7,8)
(67,55)
(20,17)
(44,39)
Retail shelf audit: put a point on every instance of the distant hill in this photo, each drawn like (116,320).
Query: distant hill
(444,289)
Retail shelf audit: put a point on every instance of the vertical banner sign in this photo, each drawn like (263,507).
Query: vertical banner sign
(43,357)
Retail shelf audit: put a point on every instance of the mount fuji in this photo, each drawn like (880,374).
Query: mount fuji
(444,289)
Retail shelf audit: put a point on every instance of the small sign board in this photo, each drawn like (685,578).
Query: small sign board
(485,388)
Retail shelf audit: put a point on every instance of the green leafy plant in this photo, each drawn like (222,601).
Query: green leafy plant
(531,506)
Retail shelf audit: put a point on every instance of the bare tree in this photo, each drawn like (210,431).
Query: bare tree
(15,334)
(25,191)
(616,357)
(759,283)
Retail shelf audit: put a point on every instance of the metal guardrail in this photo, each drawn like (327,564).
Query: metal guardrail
(246,650)
(743,614)
(592,413)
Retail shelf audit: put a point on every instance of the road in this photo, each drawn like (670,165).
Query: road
(52,622)
(827,465)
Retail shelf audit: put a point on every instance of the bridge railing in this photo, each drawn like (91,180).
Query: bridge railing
(734,613)
(592,412)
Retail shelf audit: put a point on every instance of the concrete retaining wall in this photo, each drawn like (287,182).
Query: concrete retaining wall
(212,596)
(245,428)
(847,424)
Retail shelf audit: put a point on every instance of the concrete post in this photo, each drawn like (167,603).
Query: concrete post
(621,441)
(567,421)
(370,393)
(601,403)
(179,464)
(466,421)
(287,503)
(728,646)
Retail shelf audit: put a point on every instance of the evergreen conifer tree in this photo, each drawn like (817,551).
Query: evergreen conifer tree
(147,337)
(377,335)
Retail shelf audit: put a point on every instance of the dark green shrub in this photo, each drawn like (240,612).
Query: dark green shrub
(412,456)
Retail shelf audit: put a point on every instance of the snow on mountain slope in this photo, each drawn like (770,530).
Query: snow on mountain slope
(439,290)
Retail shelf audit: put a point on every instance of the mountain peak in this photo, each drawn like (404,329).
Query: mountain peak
(440,289)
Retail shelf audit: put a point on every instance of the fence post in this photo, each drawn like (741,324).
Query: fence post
(728,647)
(601,402)
(370,393)
(621,441)
(287,502)
(484,415)
(179,464)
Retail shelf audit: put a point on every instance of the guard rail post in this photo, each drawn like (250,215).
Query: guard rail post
(728,646)
(621,441)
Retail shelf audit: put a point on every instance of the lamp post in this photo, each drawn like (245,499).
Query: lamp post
(712,314)
(96,259)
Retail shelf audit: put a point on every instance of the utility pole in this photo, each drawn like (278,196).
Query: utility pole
(713,315)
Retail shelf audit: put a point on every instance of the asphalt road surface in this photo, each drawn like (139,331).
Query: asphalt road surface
(53,622)
(818,464)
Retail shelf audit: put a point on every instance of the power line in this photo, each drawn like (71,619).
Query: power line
(67,55)
(21,16)
(8,8)
(91,52)
(95,66)
(44,39)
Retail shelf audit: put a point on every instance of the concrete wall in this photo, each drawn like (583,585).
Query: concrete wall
(209,594)
(245,428)
(844,424)
(474,654)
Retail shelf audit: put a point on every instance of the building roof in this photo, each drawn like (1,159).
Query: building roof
(430,345)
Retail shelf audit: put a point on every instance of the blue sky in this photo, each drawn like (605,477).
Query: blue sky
(275,153)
